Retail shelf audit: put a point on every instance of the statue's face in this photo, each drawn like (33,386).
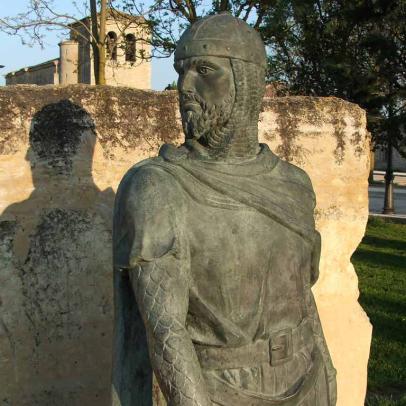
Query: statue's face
(206,95)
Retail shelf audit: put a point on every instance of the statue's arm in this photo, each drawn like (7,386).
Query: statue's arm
(150,245)
(161,290)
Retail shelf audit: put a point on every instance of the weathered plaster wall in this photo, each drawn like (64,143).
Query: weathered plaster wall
(63,151)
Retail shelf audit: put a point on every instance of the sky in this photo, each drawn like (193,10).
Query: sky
(14,55)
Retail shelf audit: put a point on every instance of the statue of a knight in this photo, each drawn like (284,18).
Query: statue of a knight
(215,248)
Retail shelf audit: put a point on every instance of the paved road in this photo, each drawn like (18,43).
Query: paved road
(376,198)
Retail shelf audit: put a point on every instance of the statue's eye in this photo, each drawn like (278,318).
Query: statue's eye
(203,70)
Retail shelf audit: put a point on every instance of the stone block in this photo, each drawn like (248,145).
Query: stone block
(63,151)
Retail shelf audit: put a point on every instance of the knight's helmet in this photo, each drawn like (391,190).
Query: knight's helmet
(226,36)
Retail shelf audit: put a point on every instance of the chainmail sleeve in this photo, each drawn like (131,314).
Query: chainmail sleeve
(159,270)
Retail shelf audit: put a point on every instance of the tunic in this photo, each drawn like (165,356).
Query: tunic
(230,250)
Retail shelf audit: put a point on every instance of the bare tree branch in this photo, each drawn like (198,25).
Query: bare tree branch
(95,25)
(260,16)
(192,10)
(247,12)
(14,29)
(224,5)
(40,14)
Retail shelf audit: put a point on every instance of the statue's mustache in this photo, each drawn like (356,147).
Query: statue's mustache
(189,97)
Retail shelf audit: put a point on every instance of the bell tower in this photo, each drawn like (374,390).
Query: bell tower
(127,51)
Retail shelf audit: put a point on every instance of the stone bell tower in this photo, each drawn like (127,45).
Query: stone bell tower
(127,48)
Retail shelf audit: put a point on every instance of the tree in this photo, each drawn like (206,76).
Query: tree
(353,49)
(99,39)
(42,16)
(172,86)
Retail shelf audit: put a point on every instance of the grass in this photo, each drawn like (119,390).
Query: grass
(380,262)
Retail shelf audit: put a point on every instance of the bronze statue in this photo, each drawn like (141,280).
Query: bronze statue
(215,242)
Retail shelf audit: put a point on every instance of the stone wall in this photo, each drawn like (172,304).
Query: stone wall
(63,151)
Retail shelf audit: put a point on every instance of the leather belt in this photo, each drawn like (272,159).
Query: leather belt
(226,394)
(278,349)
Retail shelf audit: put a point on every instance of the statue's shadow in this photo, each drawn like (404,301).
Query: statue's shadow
(56,300)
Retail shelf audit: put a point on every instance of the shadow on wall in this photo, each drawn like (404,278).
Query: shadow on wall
(55,273)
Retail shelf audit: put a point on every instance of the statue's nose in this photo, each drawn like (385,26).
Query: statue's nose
(186,82)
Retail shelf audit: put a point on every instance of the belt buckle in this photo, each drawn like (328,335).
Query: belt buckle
(280,347)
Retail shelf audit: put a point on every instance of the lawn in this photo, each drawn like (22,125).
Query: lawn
(380,262)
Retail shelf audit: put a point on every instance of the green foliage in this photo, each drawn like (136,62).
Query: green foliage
(379,400)
(172,86)
(380,262)
(353,49)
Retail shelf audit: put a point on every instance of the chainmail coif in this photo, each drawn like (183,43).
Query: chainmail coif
(239,137)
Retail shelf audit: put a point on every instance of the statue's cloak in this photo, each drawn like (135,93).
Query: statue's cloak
(271,186)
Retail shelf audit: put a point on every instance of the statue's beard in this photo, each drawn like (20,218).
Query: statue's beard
(204,122)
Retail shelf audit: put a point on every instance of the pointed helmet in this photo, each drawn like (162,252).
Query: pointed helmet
(222,35)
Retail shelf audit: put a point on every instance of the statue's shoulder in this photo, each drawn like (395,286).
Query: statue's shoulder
(146,167)
(293,173)
(146,178)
